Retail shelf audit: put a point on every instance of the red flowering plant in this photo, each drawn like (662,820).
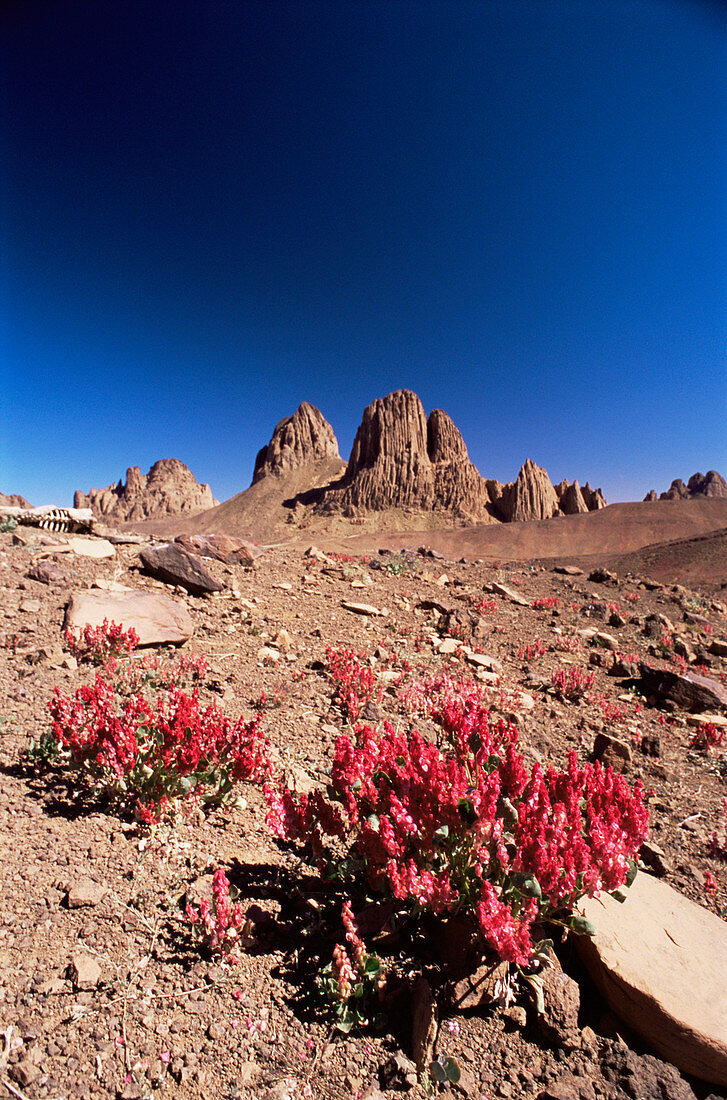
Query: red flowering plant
(571,684)
(154,755)
(464,827)
(220,924)
(354,981)
(355,683)
(99,644)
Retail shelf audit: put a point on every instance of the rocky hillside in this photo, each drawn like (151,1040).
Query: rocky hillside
(710,484)
(169,489)
(107,989)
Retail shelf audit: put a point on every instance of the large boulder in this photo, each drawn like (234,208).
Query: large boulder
(660,962)
(174,565)
(687,690)
(169,489)
(298,440)
(225,548)
(156,619)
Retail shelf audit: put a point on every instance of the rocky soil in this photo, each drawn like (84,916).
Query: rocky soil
(102,990)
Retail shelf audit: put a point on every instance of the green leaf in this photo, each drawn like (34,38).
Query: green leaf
(633,871)
(619,895)
(373,821)
(452,1070)
(344,1025)
(372,965)
(438,1073)
(442,832)
(582,926)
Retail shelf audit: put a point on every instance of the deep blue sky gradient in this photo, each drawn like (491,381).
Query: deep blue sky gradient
(212,211)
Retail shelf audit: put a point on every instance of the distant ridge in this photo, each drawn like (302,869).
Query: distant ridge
(405,470)
(710,484)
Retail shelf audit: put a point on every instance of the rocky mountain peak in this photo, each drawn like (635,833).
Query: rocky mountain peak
(533,496)
(298,440)
(170,488)
(401,459)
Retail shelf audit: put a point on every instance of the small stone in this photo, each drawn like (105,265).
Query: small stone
(85,971)
(399,1072)
(655,858)
(611,750)
(268,655)
(561,995)
(480,987)
(85,893)
(424,1023)
(448,646)
(516,1015)
(361,608)
(25,1072)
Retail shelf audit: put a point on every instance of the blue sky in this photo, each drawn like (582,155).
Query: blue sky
(212,211)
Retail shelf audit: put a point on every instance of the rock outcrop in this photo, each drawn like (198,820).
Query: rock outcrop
(401,459)
(533,496)
(710,484)
(298,440)
(169,489)
(13,501)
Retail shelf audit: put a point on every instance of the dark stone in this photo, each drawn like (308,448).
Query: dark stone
(689,691)
(172,564)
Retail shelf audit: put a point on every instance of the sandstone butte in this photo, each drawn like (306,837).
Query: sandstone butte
(709,485)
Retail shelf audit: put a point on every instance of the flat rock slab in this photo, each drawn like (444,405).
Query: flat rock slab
(155,618)
(224,548)
(689,690)
(660,962)
(508,593)
(83,547)
(172,564)
(361,608)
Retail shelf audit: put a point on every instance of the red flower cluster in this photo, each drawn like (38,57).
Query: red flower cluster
(545,603)
(99,643)
(469,828)
(355,684)
(571,683)
(485,606)
(222,924)
(156,753)
(531,651)
(707,737)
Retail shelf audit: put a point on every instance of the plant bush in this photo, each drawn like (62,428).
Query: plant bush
(466,828)
(154,754)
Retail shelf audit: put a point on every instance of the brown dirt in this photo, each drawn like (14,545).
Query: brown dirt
(164,1019)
